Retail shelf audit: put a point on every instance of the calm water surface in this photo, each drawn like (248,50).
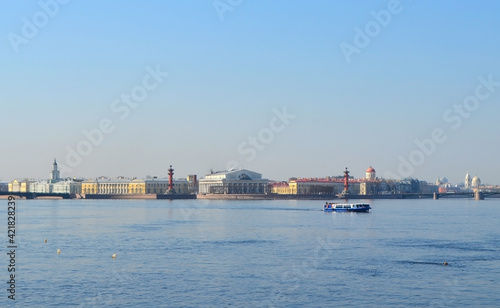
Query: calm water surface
(196,253)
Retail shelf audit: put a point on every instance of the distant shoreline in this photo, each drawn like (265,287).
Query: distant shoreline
(5,195)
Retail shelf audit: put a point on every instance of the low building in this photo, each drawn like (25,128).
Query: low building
(234,182)
(281,188)
(62,186)
(89,186)
(372,187)
(67,186)
(106,186)
(160,186)
(326,186)
(333,185)
(124,186)
(368,188)
(20,185)
(40,186)
(137,187)
(427,188)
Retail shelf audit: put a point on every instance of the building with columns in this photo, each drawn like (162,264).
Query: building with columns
(125,186)
(106,186)
(241,181)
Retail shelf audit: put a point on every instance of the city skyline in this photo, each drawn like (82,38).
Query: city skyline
(55,174)
(303,89)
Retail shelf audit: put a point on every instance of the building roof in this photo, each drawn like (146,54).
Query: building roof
(242,174)
(326,180)
(369,170)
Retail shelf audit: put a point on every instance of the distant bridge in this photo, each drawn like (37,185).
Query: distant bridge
(485,194)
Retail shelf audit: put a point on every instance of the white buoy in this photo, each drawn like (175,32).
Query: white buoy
(58,250)
(113,256)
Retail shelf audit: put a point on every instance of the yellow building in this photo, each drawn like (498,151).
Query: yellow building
(18,185)
(137,186)
(314,186)
(368,188)
(123,186)
(284,188)
(106,186)
(89,187)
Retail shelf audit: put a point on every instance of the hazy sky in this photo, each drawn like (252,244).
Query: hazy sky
(284,88)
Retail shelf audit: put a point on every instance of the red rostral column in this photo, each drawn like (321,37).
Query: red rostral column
(170,178)
(346,180)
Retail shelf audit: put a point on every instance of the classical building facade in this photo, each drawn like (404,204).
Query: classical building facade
(41,186)
(124,186)
(20,185)
(282,188)
(233,182)
(106,186)
(67,186)
(369,185)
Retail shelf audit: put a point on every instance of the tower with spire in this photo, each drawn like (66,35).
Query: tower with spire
(468,181)
(54,174)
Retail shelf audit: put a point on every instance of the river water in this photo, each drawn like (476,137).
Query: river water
(209,253)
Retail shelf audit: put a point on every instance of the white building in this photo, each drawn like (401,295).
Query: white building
(53,185)
(233,182)
(41,186)
(67,187)
(370,174)
(468,181)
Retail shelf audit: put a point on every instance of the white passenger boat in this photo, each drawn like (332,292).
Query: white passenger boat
(346,207)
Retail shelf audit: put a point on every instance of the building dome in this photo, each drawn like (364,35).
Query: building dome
(476,182)
(370,173)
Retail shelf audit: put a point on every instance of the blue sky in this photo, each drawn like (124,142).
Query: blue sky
(232,73)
